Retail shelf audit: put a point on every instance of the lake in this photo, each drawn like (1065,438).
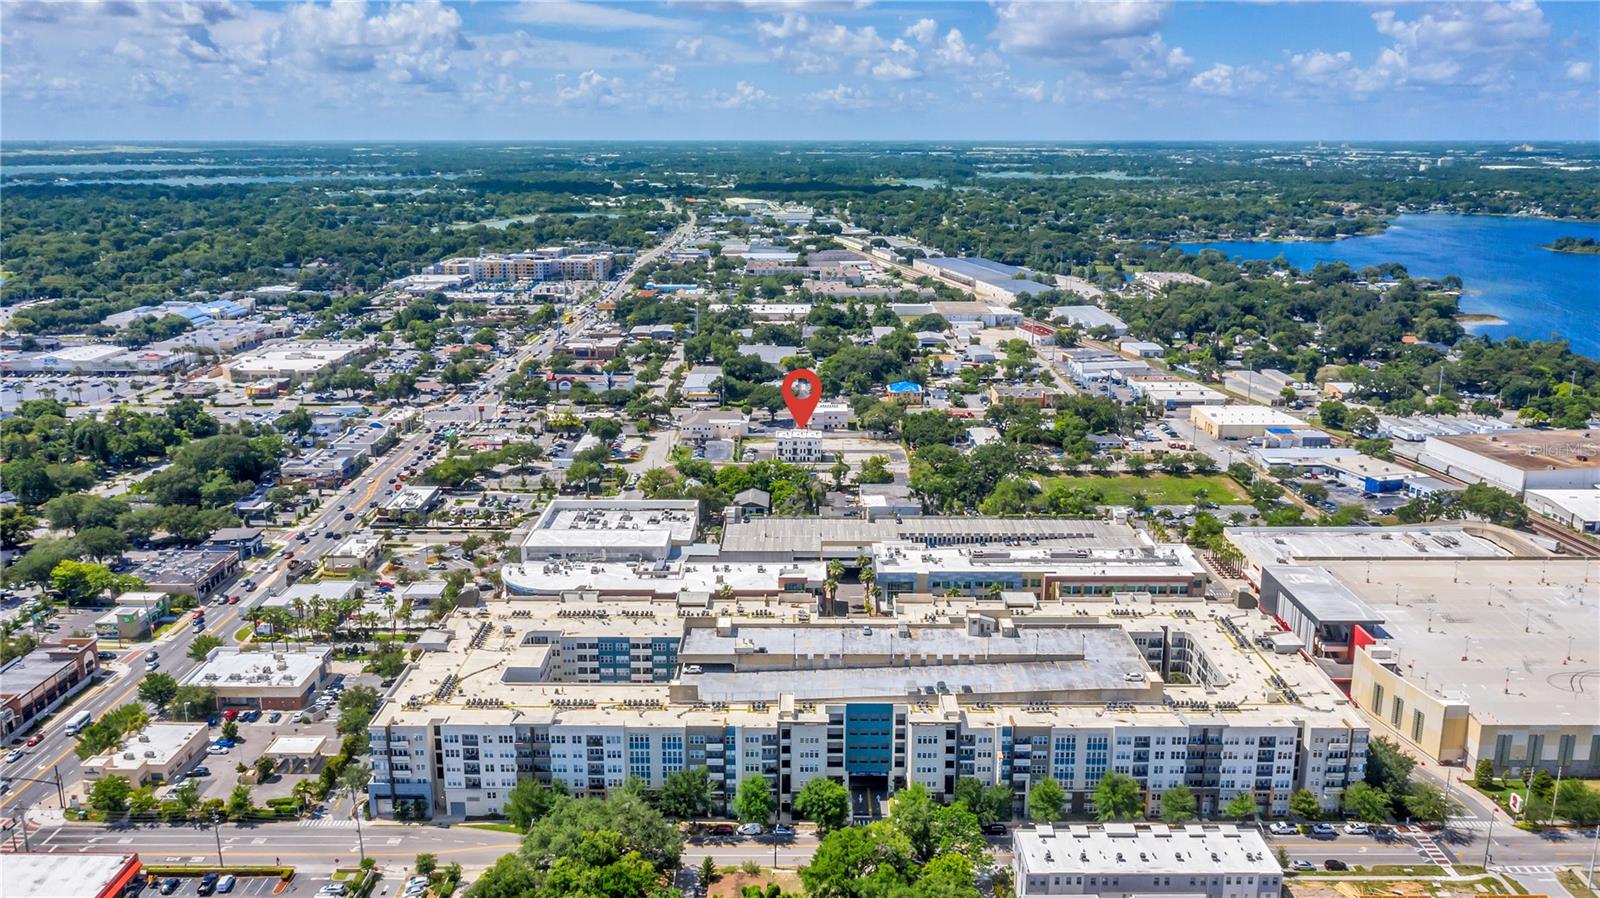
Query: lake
(1539,294)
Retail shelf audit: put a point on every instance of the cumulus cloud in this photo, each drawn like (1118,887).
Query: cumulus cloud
(923,31)
(843,97)
(1068,30)
(1579,70)
(1223,80)
(591,89)
(744,96)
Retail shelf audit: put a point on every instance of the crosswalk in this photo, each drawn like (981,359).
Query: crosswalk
(328,822)
(1469,823)
(1526,869)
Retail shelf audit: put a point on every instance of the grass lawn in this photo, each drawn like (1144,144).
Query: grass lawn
(1573,882)
(1158,489)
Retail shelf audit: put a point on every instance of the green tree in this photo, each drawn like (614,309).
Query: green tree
(1389,768)
(109,795)
(860,861)
(1578,802)
(1178,805)
(530,800)
(78,582)
(510,877)
(158,689)
(753,802)
(15,526)
(1045,800)
(1117,797)
(990,803)
(1427,802)
(1365,803)
(640,828)
(426,863)
(824,802)
(1483,774)
(240,802)
(686,794)
(266,766)
(202,646)
(1303,803)
(1241,806)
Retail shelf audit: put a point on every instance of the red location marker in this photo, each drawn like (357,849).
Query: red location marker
(801,407)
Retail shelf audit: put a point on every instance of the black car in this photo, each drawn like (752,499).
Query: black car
(208,884)
(169,885)
(1335,864)
(994,829)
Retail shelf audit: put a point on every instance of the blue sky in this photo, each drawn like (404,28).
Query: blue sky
(787,69)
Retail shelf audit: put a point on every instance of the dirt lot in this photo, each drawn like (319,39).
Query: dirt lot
(729,885)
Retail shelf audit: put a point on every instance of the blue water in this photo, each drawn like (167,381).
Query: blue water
(1538,293)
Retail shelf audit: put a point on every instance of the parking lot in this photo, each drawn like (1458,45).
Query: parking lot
(242,885)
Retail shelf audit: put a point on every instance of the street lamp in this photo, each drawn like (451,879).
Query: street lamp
(216,830)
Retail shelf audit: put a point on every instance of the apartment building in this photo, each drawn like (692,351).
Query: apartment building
(590,691)
(546,264)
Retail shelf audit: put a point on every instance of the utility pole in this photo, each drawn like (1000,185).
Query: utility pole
(216,830)
(1488,840)
(1590,880)
(1556,791)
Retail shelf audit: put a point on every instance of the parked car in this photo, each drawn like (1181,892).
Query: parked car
(226,883)
(208,884)
(202,770)
(1282,828)
(750,829)
(1357,828)
(783,830)
(1335,864)
(1323,829)
(722,829)
(1301,866)
(994,829)
(169,885)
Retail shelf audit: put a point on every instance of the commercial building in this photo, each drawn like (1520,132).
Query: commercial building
(358,552)
(56,874)
(37,682)
(981,313)
(189,572)
(690,581)
(282,681)
(158,753)
(1161,280)
(984,277)
(1089,365)
(1090,319)
(247,542)
(1519,460)
(1368,474)
(1578,509)
(699,385)
(589,690)
(1166,570)
(97,359)
(1482,659)
(411,504)
(1237,422)
(1452,541)
(1170,392)
(611,530)
(1144,349)
(1123,860)
(810,538)
(293,360)
(712,424)
(830,416)
(1266,386)
(309,594)
(799,446)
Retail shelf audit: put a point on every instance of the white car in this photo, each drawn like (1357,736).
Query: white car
(1283,829)
(16,755)
(1301,866)
(216,750)
(750,829)
(1356,828)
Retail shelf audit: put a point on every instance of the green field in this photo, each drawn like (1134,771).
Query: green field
(1158,489)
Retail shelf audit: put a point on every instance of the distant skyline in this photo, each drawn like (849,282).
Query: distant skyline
(795,70)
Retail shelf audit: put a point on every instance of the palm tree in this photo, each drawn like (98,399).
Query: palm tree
(388,605)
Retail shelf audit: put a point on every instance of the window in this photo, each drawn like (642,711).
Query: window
(1416,726)
(1377,696)
(1394,713)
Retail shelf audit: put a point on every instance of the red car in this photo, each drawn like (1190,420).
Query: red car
(34,740)
(233,600)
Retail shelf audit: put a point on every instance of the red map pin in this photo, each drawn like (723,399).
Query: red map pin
(801,407)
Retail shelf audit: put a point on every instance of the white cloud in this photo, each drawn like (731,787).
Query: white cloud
(1578,70)
(744,96)
(844,97)
(594,16)
(923,31)
(954,51)
(665,72)
(412,43)
(1070,29)
(892,70)
(592,89)
(1034,91)
(1224,80)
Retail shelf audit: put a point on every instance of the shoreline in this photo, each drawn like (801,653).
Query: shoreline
(1480,319)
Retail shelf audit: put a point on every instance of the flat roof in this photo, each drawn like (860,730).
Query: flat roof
(163,740)
(326,590)
(1291,545)
(55,875)
(1533,450)
(809,535)
(615,522)
(25,674)
(659,578)
(231,667)
(1583,503)
(1246,414)
(1321,595)
(1515,620)
(1131,848)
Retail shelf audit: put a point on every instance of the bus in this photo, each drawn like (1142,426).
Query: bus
(78,723)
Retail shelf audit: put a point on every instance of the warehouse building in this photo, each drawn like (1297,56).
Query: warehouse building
(1090,319)
(1578,509)
(1238,422)
(612,530)
(293,360)
(1519,460)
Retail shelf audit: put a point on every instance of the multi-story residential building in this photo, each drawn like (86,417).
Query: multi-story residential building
(546,264)
(799,446)
(591,690)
